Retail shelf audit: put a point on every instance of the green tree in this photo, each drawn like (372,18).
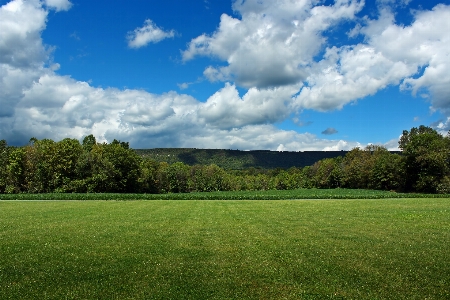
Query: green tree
(4,158)
(114,168)
(15,171)
(148,179)
(89,142)
(162,178)
(39,165)
(327,173)
(387,172)
(426,156)
(178,177)
(207,178)
(356,168)
(64,162)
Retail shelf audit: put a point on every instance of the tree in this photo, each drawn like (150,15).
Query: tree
(356,167)
(111,168)
(207,178)
(426,155)
(387,172)
(178,177)
(89,142)
(39,165)
(148,179)
(327,173)
(63,163)
(15,171)
(4,158)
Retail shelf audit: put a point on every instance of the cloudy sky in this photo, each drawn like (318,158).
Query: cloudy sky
(245,74)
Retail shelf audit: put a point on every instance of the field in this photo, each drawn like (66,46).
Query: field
(303,249)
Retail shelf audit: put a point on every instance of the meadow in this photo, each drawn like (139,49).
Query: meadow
(303,249)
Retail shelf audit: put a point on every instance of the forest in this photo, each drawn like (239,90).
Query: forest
(68,166)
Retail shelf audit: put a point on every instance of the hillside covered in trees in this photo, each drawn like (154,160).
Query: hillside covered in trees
(237,159)
(68,166)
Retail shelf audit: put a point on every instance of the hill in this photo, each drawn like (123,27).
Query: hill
(237,159)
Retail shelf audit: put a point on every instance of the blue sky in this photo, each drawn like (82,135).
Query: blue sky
(254,74)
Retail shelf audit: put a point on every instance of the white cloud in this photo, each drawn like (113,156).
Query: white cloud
(149,33)
(58,5)
(347,74)
(59,107)
(273,42)
(22,54)
(392,55)
(21,24)
(183,86)
(392,145)
(43,104)
(214,74)
(270,50)
(226,109)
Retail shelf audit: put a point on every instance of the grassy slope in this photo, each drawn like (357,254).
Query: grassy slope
(337,249)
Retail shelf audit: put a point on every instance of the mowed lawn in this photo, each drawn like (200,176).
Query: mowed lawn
(317,249)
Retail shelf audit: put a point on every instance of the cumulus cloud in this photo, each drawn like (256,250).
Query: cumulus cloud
(36,101)
(42,103)
(22,53)
(226,109)
(350,73)
(276,43)
(392,55)
(149,33)
(271,50)
(272,43)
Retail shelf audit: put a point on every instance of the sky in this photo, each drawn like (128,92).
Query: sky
(286,75)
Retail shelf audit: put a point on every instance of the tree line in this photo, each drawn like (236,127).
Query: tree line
(68,166)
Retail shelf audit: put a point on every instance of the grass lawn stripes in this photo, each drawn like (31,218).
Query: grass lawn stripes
(336,249)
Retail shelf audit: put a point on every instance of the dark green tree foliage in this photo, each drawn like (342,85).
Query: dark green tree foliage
(178,177)
(208,178)
(387,171)
(327,173)
(15,171)
(4,160)
(356,168)
(89,142)
(39,166)
(149,179)
(426,157)
(68,166)
(108,168)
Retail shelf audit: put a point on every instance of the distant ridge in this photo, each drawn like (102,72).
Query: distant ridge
(237,159)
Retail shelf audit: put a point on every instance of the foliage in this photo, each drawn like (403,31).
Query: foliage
(427,157)
(15,171)
(230,195)
(45,166)
(327,173)
(228,159)
(4,161)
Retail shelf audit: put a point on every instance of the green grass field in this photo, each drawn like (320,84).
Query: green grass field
(303,249)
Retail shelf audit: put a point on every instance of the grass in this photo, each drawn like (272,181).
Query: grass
(336,249)
(232,195)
